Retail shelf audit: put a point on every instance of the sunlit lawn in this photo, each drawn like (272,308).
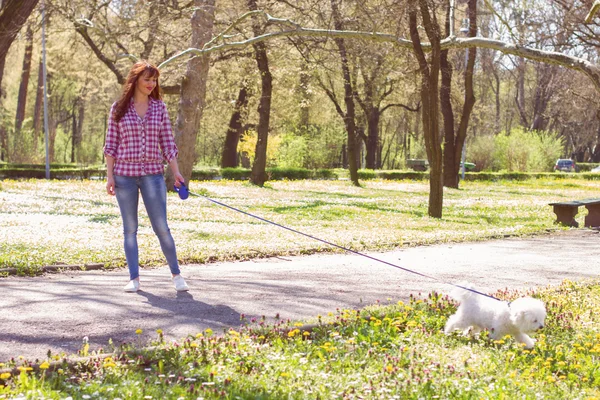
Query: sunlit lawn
(391,351)
(75,222)
(395,351)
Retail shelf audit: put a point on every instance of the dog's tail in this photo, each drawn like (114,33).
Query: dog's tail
(462,295)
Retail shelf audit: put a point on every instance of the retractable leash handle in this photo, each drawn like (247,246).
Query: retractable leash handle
(182,191)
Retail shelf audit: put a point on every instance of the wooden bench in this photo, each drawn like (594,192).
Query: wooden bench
(567,210)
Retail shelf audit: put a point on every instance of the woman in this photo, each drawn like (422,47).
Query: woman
(138,140)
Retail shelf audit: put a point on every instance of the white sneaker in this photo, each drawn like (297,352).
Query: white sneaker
(180,284)
(132,286)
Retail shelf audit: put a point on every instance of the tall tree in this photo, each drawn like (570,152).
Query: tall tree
(430,74)
(193,90)
(258,175)
(25,73)
(454,141)
(13,15)
(229,156)
(350,114)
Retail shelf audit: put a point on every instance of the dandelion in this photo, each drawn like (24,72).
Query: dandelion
(45,365)
(285,375)
(138,332)
(25,369)
(5,375)
(208,332)
(298,324)
(306,333)
(159,331)
(389,368)
(199,335)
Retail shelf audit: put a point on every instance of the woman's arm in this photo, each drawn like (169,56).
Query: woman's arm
(176,174)
(110,179)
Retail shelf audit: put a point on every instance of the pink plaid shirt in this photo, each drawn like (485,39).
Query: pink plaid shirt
(141,145)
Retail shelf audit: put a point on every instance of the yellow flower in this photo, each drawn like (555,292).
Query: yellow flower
(306,333)
(138,332)
(159,331)
(5,375)
(199,335)
(298,324)
(194,344)
(389,368)
(45,365)
(25,369)
(285,374)
(208,331)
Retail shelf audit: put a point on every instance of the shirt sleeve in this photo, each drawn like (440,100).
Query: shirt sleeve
(167,141)
(113,138)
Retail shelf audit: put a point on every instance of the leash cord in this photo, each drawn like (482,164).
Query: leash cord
(340,247)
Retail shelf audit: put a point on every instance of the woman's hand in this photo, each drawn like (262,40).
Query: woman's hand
(110,185)
(178,179)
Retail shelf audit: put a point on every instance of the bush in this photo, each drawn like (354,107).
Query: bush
(521,150)
(236,174)
(289,173)
(205,174)
(366,174)
(325,173)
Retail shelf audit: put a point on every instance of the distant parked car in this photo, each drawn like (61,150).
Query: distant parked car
(469,166)
(565,165)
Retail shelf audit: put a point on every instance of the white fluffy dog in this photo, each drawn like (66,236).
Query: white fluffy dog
(501,318)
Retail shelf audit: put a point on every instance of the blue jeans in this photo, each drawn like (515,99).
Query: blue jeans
(154,193)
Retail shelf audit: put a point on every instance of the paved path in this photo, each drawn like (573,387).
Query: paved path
(56,311)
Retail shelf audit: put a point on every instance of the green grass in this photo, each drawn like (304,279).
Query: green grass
(385,351)
(75,222)
(391,351)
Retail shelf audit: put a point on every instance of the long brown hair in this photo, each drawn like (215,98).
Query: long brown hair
(137,70)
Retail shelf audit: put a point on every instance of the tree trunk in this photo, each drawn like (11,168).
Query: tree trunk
(229,158)
(25,72)
(350,116)
(258,175)
(450,178)
(372,145)
(430,72)
(306,97)
(13,15)
(193,91)
(77,113)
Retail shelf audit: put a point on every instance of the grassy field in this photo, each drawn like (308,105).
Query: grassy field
(385,351)
(75,222)
(395,351)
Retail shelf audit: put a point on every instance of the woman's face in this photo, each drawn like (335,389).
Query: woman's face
(146,83)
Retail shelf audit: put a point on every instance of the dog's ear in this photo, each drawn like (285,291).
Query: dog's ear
(517,316)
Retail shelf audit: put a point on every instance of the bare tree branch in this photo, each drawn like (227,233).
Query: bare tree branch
(575,63)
